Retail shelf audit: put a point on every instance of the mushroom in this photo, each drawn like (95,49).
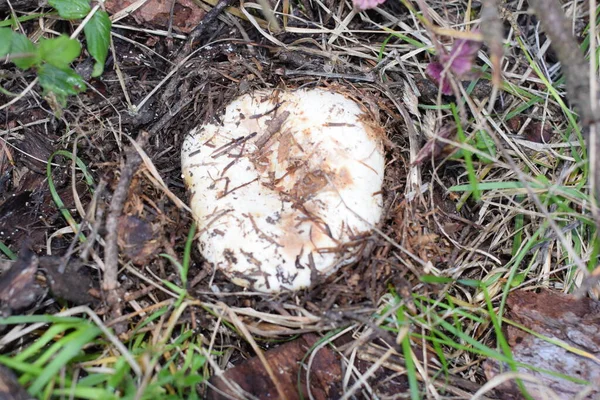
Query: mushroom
(285,187)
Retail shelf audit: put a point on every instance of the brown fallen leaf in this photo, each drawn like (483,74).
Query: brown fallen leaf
(435,147)
(538,132)
(74,284)
(138,239)
(564,319)
(287,361)
(22,283)
(10,389)
(186,13)
(535,131)
(18,286)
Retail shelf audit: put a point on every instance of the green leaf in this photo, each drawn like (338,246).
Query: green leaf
(490,186)
(173,287)
(470,282)
(118,376)
(84,393)
(435,279)
(191,380)
(32,319)
(485,143)
(7,251)
(20,44)
(60,82)
(97,35)
(71,9)
(60,51)
(5,41)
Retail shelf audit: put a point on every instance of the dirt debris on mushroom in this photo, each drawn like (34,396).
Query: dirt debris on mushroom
(286,187)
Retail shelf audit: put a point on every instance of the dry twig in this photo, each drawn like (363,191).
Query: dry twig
(110,282)
(577,76)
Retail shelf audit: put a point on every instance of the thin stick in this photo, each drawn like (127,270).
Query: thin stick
(110,283)
(579,77)
(594,145)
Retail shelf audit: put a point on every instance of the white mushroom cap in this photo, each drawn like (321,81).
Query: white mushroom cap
(285,187)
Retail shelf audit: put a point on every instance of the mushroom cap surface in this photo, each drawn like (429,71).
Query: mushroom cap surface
(286,187)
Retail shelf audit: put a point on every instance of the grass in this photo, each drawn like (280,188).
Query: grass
(529,213)
(70,358)
(56,197)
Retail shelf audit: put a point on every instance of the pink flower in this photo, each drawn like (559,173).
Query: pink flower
(460,61)
(366,4)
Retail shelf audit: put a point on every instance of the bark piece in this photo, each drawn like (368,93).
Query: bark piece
(36,148)
(287,362)
(537,132)
(574,322)
(186,14)
(20,286)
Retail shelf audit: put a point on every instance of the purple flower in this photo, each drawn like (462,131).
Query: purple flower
(366,4)
(434,72)
(460,61)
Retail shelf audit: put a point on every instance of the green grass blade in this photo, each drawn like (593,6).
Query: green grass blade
(76,341)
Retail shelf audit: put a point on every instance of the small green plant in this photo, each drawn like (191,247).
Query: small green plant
(51,58)
(482,142)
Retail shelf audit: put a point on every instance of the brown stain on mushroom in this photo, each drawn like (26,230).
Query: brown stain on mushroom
(293,241)
(343,178)
(308,185)
(285,146)
(304,235)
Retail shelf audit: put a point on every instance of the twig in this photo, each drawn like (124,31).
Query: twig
(331,75)
(21,95)
(110,282)
(577,76)
(492,30)
(274,125)
(574,66)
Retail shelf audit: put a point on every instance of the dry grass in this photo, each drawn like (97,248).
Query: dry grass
(427,300)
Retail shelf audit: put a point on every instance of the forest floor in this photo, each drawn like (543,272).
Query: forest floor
(479,282)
